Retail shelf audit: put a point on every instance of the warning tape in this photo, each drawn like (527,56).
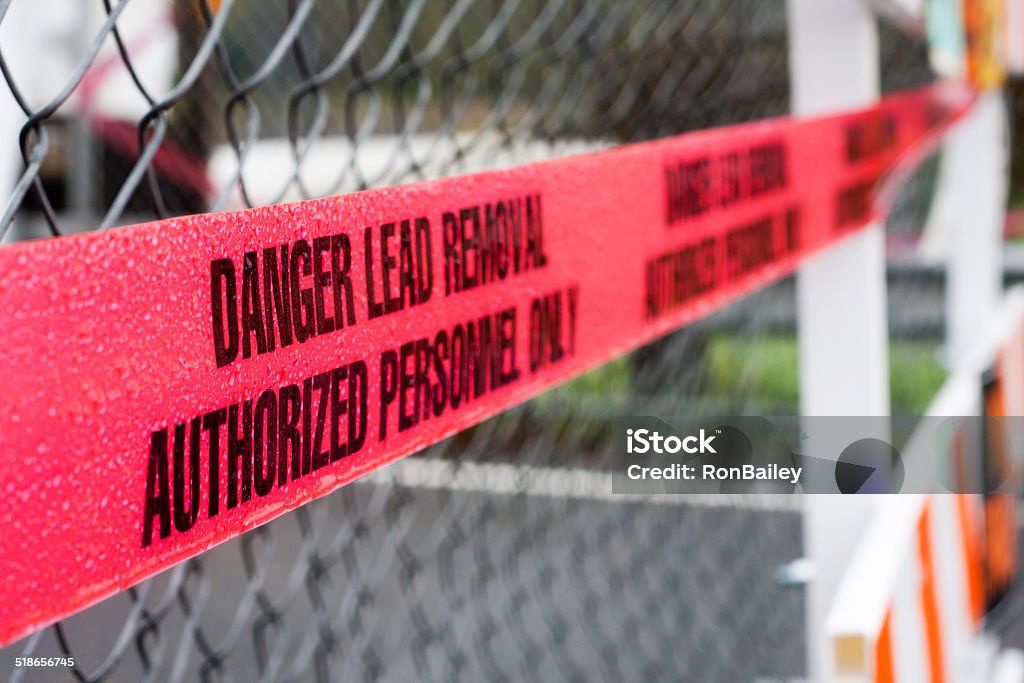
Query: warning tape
(171,385)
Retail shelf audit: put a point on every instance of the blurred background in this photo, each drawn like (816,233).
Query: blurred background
(114,113)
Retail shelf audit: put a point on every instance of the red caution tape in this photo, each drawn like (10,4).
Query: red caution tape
(171,385)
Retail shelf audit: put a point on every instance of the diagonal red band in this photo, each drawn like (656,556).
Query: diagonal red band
(171,385)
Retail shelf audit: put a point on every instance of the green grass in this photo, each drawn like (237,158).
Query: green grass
(760,372)
(766,369)
(915,377)
(609,380)
(763,369)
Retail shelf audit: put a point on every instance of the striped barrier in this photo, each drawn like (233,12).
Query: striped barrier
(911,605)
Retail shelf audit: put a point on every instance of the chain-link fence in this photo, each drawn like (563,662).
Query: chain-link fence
(499,554)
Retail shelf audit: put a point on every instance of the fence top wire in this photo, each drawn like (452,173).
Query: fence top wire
(396,91)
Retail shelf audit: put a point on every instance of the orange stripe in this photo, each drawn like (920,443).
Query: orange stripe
(883,652)
(975,587)
(929,598)
(1000,541)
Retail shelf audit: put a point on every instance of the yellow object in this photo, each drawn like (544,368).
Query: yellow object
(983,23)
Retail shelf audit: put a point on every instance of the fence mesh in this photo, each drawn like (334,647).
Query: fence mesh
(498,554)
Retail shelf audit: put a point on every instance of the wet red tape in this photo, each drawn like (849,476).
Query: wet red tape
(174,384)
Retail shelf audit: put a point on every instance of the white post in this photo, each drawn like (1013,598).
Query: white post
(34,40)
(18,36)
(841,294)
(975,165)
